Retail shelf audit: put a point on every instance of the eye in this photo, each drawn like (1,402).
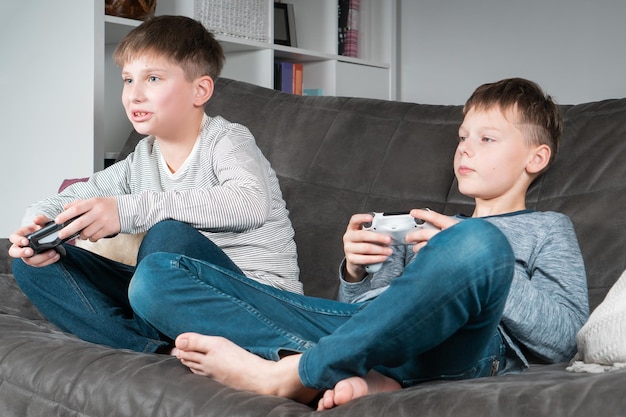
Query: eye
(127,81)
(153,78)
(488,139)
(462,138)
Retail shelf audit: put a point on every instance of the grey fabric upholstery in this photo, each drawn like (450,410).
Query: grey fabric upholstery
(335,157)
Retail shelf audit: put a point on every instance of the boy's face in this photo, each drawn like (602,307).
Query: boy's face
(492,156)
(157,97)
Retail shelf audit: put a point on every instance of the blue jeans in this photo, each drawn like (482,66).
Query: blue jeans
(437,320)
(87,295)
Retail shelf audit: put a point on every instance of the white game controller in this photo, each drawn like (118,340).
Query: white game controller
(395,225)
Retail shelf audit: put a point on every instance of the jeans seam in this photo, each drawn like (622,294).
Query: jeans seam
(77,289)
(250,282)
(302,344)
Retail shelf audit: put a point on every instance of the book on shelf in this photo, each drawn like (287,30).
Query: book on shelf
(348,28)
(312,92)
(288,77)
(298,73)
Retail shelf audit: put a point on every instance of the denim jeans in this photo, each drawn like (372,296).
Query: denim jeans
(437,320)
(87,295)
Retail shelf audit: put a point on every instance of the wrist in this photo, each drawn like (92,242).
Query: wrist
(353,273)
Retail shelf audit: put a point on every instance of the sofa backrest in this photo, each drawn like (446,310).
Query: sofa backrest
(338,156)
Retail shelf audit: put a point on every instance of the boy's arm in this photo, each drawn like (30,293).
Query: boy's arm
(548,301)
(106,183)
(232,189)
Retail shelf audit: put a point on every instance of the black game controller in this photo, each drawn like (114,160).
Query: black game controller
(47,238)
(395,225)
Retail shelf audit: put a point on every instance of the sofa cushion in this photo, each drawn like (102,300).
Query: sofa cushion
(602,340)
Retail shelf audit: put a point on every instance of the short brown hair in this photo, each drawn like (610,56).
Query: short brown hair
(538,114)
(182,40)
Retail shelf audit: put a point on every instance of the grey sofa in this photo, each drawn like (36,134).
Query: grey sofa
(336,157)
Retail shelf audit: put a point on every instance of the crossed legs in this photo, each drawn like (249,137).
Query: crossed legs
(434,321)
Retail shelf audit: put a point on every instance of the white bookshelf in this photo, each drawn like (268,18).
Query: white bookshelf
(63,111)
(371,76)
(316,28)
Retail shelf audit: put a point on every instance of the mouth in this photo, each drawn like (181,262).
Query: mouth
(140,116)
(464,170)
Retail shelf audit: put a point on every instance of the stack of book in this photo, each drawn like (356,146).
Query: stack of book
(288,77)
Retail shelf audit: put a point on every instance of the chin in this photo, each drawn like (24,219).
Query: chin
(142,130)
(473,194)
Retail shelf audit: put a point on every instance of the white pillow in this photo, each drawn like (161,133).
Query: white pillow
(602,340)
(121,248)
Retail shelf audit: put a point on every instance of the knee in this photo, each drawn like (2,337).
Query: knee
(164,234)
(473,249)
(167,229)
(484,241)
(146,288)
(489,254)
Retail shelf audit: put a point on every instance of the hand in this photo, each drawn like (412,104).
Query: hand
(95,218)
(421,236)
(20,248)
(363,247)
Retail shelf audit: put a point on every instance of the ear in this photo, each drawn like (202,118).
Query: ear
(540,158)
(204,90)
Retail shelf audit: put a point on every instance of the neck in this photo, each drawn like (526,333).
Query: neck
(485,208)
(176,148)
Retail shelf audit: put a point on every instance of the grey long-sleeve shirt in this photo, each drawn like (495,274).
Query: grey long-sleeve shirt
(547,302)
(226,189)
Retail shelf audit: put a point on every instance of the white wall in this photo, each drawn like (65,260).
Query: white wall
(46,131)
(576,49)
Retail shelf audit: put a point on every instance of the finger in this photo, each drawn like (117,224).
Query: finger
(20,251)
(42,259)
(370,248)
(71,228)
(418,246)
(421,235)
(438,220)
(357,220)
(376,238)
(19,238)
(426,215)
(73,211)
(72,204)
(41,220)
(366,259)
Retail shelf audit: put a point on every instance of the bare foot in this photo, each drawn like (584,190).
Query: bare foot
(225,362)
(355,387)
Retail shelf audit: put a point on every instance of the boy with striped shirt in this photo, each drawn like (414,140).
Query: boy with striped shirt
(198,186)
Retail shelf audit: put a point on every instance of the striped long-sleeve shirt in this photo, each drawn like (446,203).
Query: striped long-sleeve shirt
(226,189)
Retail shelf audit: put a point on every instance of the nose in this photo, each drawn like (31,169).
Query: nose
(464,147)
(133,93)
(461,148)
